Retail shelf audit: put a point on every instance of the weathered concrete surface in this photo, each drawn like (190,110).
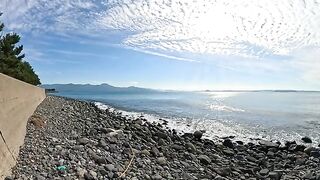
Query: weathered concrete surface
(18,101)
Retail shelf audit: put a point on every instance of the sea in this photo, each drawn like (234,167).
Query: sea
(247,116)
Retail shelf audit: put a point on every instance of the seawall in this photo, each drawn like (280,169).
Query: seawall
(18,101)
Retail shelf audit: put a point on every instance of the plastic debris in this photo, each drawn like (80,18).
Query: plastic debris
(61,168)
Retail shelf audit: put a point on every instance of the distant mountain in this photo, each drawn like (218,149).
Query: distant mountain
(89,88)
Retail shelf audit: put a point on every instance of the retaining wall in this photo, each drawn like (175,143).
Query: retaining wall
(18,101)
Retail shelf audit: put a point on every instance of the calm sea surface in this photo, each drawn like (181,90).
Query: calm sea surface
(268,115)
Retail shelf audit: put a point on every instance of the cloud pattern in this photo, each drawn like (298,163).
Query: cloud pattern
(246,28)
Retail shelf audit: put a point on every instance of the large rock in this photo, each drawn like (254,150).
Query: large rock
(228,143)
(306,139)
(198,134)
(268,144)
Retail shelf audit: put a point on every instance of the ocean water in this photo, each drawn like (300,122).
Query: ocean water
(277,116)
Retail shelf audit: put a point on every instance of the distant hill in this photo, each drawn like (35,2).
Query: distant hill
(89,88)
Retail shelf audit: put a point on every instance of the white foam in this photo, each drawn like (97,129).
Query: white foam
(225,108)
(213,128)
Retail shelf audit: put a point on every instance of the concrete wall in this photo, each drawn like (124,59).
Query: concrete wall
(18,101)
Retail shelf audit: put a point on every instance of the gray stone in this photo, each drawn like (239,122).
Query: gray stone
(83,141)
(300,161)
(309,149)
(93,174)
(315,154)
(88,176)
(156,177)
(39,177)
(80,172)
(145,152)
(177,147)
(268,144)
(197,134)
(228,143)
(191,147)
(155,151)
(264,172)
(220,178)
(161,160)
(162,142)
(204,159)
(228,152)
(274,175)
(162,135)
(252,159)
(109,167)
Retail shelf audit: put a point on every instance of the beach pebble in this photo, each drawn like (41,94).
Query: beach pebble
(84,142)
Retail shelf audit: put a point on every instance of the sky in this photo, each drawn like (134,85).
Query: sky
(171,44)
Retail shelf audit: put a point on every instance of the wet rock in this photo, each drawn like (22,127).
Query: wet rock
(315,153)
(289,143)
(240,142)
(198,134)
(306,139)
(162,135)
(309,149)
(268,144)
(228,143)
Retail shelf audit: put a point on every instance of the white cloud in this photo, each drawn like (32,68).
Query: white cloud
(246,28)
(165,55)
(308,62)
(242,27)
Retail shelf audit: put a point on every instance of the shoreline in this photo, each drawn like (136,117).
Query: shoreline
(182,127)
(81,141)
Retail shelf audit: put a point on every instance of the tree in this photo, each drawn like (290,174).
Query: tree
(11,59)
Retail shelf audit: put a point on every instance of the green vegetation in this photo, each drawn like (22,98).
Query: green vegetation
(11,59)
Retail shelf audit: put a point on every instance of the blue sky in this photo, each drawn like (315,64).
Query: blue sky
(172,44)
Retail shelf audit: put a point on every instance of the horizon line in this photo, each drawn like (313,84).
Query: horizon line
(195,90)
